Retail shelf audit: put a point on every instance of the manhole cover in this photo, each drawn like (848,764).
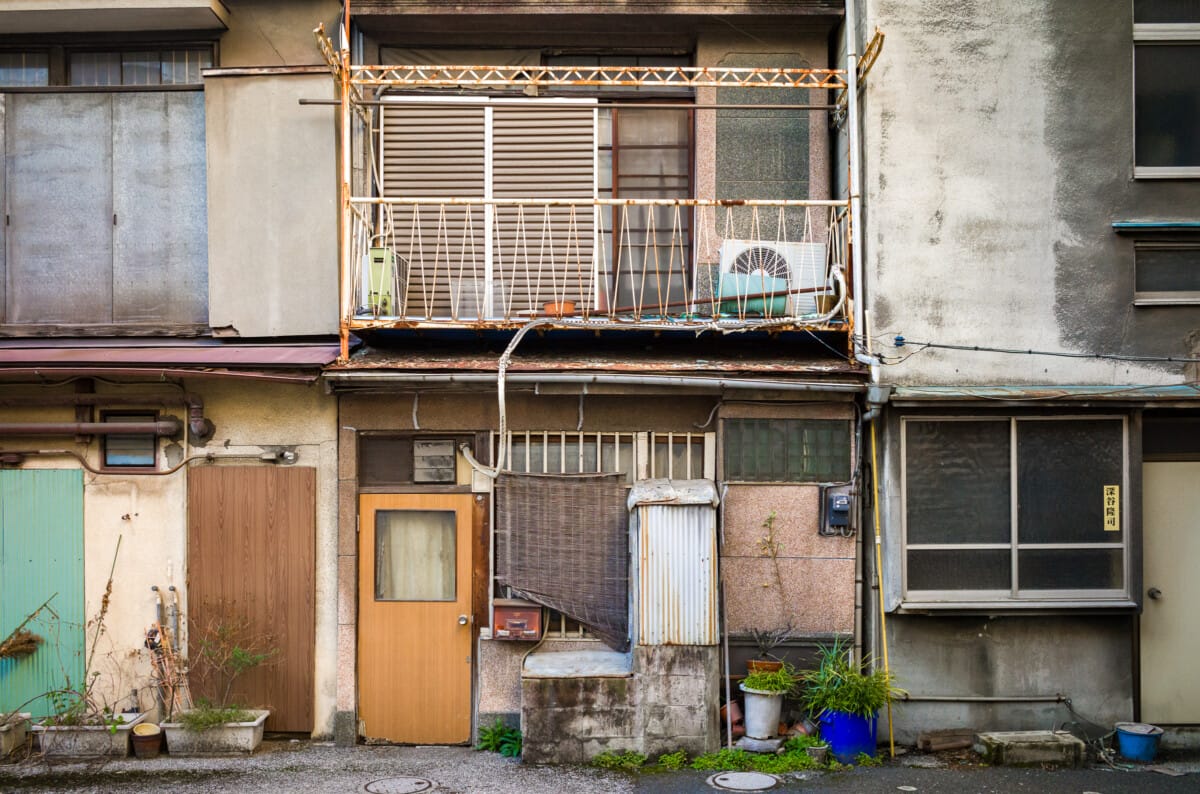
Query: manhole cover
(398,785)
(743,781)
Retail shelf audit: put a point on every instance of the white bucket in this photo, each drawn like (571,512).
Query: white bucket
(762,712)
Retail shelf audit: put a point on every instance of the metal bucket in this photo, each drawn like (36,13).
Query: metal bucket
(762,712)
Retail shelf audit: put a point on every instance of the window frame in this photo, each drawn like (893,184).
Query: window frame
(1169,297)
(59,54)
(1015,597)
(149,415)
(1158,34)
(848,427)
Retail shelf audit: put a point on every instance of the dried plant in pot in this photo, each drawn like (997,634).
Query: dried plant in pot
(223,649)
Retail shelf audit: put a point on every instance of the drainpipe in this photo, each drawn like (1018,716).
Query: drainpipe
(200,428)
(162,427)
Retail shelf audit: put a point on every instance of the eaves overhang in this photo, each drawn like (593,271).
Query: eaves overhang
(1028,395)
(99,16)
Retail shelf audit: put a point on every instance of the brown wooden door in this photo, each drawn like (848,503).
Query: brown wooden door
(414,630)
(251,553)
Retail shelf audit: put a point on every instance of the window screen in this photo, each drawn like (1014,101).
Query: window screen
(1066,479)
(787,450)
(1167,270)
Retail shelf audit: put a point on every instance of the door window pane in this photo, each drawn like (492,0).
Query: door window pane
(415,555)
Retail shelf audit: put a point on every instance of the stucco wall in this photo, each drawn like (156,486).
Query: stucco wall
(998,150)
(272,198)
(271,33)
(149,515)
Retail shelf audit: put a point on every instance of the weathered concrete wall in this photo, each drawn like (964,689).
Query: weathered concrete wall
(148,514)
(998,150)
(1087,659)
(270,33)
(670,703)
(272,198)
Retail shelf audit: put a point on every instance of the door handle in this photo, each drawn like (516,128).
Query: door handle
(463,620)
(1154,593)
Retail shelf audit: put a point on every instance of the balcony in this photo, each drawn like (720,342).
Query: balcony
(596,263)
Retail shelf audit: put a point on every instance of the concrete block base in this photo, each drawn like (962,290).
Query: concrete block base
(345,729)
(1030,748)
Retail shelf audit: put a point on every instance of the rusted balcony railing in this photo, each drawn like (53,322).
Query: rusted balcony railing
(501,262)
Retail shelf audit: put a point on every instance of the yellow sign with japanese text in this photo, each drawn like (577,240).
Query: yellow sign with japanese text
(1112,508)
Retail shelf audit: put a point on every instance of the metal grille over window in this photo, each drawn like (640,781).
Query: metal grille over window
(562,541)
(787,450)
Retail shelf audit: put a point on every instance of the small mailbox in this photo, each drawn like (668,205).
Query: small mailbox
(516,619)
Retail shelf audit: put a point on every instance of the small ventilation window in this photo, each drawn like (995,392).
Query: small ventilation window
(131,450)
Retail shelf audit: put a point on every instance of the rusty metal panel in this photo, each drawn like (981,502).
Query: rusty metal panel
(160,236)
(41,555)
(59,160)
(251,547)
(677,575)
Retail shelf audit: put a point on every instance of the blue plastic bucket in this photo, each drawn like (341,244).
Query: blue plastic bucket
(1138,741)
(848,734)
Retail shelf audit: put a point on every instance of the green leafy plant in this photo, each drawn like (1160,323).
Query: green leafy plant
(782,680)
(839,684)
(627,761)
(500,738)
(793,757)
(862,759)
(673,761)
(206,716)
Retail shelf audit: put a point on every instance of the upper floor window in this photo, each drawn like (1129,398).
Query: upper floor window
(85,67)
(139,67)
(1166,60)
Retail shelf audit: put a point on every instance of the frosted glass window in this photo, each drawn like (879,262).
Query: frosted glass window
(415,555)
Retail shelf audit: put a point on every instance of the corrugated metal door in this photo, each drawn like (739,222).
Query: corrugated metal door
(41,555)
(251,547)
(677,575)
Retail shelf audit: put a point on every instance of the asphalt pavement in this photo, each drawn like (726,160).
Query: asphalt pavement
(303,767)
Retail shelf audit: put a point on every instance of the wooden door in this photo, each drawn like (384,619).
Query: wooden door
(1170,643)
(251,554)
(414,627)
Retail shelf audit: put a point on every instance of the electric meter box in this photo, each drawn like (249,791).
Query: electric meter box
(516,619)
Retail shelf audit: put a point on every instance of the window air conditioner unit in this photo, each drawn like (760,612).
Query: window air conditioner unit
(763,277)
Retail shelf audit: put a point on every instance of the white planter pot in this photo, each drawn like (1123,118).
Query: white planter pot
(87,741)
(12,734)
(232,738)
(762,712)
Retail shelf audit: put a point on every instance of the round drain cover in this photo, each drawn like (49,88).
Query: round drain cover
(398,785)
(743,781)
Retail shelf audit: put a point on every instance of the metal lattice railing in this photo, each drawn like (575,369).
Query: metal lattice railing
(457,261)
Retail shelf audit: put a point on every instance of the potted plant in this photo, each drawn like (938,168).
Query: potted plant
(223,650)
(845,701)
(14,728)
(764,691)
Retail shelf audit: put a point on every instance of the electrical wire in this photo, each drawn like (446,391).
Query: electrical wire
(900,341)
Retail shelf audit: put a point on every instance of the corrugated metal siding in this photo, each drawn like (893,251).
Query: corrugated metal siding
(677,575)
(41,554)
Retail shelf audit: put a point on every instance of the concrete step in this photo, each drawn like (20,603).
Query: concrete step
(1030,748)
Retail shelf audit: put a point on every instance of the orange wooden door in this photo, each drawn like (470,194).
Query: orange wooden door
(414,630)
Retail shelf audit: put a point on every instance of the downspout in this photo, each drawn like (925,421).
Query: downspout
(860,323)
